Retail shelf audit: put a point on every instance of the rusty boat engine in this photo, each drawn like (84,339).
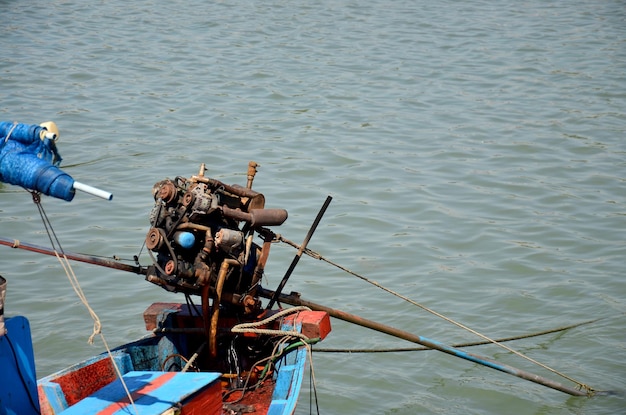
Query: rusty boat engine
(201,242)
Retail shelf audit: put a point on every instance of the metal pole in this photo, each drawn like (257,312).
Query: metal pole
(105,262)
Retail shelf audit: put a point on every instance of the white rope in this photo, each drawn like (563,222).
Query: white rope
(251,327)
(69,272)
(97,325)
(10,131)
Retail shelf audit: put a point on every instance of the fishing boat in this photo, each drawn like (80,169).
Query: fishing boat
(170,371)
(229,354)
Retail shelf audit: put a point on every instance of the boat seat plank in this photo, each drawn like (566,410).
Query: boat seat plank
(153,393)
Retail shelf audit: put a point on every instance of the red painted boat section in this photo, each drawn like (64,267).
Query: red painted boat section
(86,380)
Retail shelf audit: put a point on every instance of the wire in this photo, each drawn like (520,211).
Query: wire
(164,366)
(192,306)
(280,349)
(316,255)
(313,382)
(468,344)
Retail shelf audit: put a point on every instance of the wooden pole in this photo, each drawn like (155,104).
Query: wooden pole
(433,344)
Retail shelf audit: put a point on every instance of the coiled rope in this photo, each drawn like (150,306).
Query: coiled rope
(252,327)
(286,334)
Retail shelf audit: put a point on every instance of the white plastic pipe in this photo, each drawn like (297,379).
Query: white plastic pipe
(92,190)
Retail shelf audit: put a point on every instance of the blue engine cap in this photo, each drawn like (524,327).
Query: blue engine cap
(185,239)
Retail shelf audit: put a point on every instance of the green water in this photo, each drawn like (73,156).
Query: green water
(474,150)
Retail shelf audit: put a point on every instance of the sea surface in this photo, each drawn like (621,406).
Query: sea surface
(475,152)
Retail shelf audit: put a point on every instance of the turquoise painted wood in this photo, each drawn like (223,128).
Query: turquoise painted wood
(288,383)
(155,393)
(290,372)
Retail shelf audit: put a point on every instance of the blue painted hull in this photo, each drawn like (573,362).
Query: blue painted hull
(151,368)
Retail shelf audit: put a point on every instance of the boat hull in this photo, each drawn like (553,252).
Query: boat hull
(152,369)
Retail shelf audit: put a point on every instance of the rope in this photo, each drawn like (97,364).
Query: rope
(309,351)
(276,353)
(251,327)
(458,324)
(459,345)
(313,385)
(69,272)
(10,131)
